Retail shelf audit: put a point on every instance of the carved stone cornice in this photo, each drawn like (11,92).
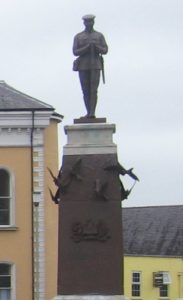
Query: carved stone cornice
(20,137)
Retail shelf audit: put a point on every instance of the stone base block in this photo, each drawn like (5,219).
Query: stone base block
(90,297)
(88,120)
(89,139)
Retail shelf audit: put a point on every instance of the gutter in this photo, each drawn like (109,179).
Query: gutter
(27,109)
(32,195)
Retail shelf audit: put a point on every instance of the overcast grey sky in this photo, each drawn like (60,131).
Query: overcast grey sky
(144,72)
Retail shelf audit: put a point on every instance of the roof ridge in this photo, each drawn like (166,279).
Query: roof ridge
(153,206)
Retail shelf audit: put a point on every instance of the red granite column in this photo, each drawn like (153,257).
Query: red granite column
(90,219)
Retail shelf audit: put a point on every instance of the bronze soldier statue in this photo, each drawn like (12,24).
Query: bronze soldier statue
(89,45)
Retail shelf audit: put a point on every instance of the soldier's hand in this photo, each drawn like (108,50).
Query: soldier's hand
(92,46)
(97,48)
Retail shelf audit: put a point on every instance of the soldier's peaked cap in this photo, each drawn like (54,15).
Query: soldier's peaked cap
(88,17)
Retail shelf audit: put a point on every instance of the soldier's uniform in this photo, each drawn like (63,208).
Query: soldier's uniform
(89,46)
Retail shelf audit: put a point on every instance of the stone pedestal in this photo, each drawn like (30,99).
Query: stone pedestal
(85,139)
(90,222)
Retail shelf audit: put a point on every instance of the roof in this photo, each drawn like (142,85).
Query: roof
(153,231)
(11,99)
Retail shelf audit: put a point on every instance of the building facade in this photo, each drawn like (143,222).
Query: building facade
(28,218)
(153,249)
(153,277)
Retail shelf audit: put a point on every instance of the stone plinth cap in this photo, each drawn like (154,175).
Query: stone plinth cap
(82,127)
(89,139)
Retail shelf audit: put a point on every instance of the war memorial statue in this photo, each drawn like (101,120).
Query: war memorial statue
(90,191)
(89,45)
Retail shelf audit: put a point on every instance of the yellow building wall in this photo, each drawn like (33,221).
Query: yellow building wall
(15,245)
(51,210)
(148,265)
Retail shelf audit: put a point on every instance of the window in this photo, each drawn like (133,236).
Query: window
(5,198)
(163,291)
(136,284)
(5,281)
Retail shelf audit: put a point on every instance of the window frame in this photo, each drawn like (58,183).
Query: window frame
(162,289)
(136,283)
(11,198)
(12,279)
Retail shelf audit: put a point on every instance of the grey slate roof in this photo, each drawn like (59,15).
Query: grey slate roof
(156,231)
(11,99)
